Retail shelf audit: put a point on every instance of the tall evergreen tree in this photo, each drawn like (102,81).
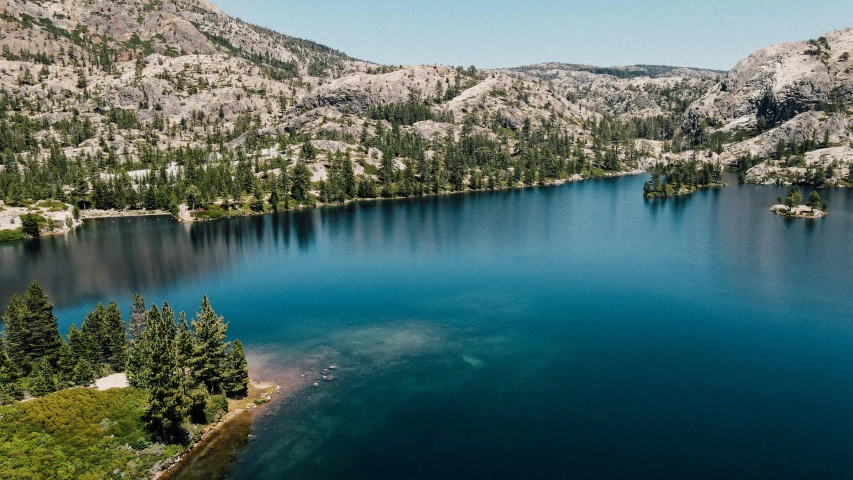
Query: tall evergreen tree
(45,339)
(300,181)
(209,355)
(140,346)
(184,344)
(92,327)
(83,346)
(168,403)
(236,381)
(65,364)
(18,333)
(113,338)
(137,321)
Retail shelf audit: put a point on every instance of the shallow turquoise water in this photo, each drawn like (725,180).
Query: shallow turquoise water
(576,331)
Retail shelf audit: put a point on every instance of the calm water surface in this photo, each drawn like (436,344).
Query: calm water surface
(577,331)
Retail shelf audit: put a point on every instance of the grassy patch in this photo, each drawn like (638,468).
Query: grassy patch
(12,235)
(52,206)
(371,169)
(213,212)
(593,172)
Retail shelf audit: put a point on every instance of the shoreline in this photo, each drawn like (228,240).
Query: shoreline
(185,216)
(262,395)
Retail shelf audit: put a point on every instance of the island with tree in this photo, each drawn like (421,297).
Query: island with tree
(181,378)
(790,205)
(682,178)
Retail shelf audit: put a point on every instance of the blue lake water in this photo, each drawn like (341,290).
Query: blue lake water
(574,331)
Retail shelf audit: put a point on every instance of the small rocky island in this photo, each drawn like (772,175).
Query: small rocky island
(790,205)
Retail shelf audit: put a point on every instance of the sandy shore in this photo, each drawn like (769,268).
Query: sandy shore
(116,380)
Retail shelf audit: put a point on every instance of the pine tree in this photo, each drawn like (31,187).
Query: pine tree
(814,200)
(45,340)
(140,346)
(6,374)
(137,321)
(92,327)
(30,225)
(209,354)
(18,333)
(168,403)
(236,382)
(113,338)
(84,373)
(300,181)
(41,379)
(184,345)
(83,346)
(65,364)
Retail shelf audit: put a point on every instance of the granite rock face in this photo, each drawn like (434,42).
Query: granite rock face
(781,81)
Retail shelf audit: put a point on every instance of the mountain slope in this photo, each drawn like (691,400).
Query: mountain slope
(151,98)
(792,102)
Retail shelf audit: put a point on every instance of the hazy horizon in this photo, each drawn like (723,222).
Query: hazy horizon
(500,33)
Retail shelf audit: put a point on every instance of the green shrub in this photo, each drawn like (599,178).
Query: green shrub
(78,433)
(213,212)
(216,407)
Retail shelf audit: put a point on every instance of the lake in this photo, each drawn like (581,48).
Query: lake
(573,331)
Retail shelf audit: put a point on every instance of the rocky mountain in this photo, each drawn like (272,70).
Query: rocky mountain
(786,107)
(631,91)
(110,91)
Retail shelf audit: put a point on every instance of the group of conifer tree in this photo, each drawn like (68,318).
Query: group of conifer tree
(681,177)
(182,365)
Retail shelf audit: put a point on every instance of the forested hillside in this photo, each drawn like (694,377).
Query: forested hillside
(174,106)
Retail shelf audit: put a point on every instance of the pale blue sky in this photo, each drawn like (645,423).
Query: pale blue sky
(501,33)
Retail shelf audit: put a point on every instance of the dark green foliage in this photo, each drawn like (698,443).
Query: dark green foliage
(45,339)
(770,112)
(30,225)
(168,403)
(679,178)
(402,113)
(113,340)
(744,163)
(236,378)
(104,329)
(814,200)
(31,330)
(210,348)
(794,198)
(18,334)
(138,320)
(301,181)
(185,345)
(41,379)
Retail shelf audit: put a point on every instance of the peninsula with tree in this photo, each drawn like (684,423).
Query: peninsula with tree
(181,375)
